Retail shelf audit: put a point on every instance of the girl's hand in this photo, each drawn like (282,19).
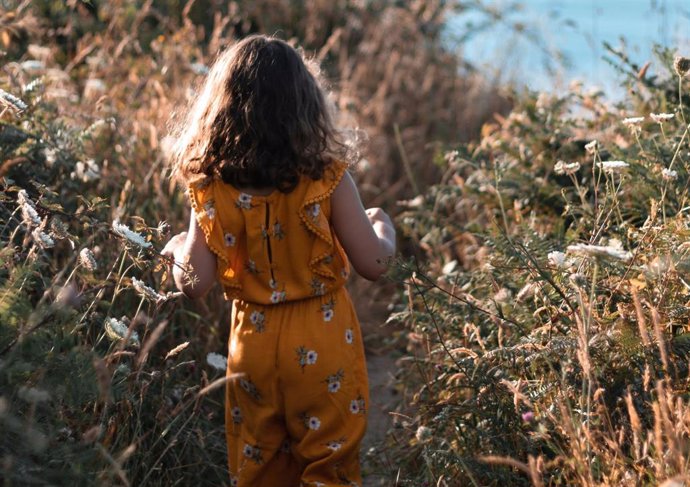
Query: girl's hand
(378,215)
(174,244)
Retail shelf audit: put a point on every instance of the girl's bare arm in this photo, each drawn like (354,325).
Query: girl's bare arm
(190,249)
(368,236)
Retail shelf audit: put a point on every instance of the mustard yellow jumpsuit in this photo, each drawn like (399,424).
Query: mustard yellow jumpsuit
(297,398)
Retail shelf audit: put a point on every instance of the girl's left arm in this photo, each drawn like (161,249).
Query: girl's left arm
(191,251)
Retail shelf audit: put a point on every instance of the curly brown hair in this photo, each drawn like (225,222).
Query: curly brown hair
(261,120)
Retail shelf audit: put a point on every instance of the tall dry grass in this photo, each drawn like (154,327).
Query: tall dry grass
(103,371)
(548,316)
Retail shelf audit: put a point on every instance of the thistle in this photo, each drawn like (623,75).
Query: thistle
(681,65)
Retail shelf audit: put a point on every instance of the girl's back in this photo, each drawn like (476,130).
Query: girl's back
(273,248)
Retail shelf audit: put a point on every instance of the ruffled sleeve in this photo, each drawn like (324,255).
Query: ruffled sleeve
(316,221)
(203,200)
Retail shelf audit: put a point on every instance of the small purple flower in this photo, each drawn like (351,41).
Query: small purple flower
(528,417)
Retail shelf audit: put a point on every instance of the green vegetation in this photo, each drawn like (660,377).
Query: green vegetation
(544,288)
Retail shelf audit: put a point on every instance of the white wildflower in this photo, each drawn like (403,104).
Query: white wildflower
(558,259)
(147,292)
(29,213)
(33,65)
(612,251)
(133,237)
(117,330)
(662,117)
(42,239)
(592,147)
(87,259)
(32,85)
(566,168)
(669,174)
(50,156)
(217,361)
(423,433)
(8,99)
(94,87)
(632,121)
(613,166)
(86,171)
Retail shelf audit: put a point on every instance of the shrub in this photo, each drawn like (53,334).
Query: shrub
(548,319)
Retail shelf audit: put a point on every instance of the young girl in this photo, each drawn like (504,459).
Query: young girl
(276,218)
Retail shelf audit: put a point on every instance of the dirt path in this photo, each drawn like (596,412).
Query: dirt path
(371,301)
(382,400)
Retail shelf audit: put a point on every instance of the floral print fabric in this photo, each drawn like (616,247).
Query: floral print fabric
(274,248)
(297,394)
(297,390)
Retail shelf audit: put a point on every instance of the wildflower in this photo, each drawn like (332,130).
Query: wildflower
(32,86)
(528,416)
(592,147)
(58,228)
(669,174)
(29,213)
(86,171)
(43,239)
(163,228)
(681,65)
(423,433)
(117,330)
(612,166)
(662,117)
(558,259)
(217,361)
(599,251)
(12,101)
(50,156)
(632,121)
(87,259)
(566,168)
(147,292)
(133,237)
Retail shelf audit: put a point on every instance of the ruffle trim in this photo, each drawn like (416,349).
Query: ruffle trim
(213,233)
(324,246)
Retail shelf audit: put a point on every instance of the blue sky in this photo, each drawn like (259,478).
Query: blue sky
(577,28)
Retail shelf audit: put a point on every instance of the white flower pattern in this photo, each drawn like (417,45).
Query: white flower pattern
(244,201)
(230,240)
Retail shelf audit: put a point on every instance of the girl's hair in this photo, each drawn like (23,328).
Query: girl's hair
(260,120)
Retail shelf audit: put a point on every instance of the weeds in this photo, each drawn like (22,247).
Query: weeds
(548,322)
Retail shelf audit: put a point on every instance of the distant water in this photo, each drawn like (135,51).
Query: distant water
(577,28)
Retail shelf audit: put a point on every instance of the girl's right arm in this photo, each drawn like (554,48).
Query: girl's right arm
(367,236)
(191,250)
